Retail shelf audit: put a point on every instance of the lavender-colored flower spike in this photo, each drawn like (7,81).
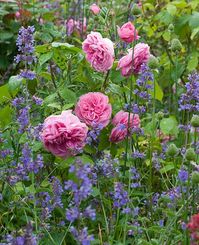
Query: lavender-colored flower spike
(25,45)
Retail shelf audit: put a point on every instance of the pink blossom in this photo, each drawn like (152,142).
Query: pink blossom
(118,133)
(17,15)
(78,25)
(94,108)
(99,51)
(122,117)
(127,32)
(140,56)
(64,135)
(70,25)
(121,121)
(95,8)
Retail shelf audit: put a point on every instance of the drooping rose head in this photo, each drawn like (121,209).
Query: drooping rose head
(127,32)
(94,108)
(122,117)
(95,8)
(64,135)
(118,133)
(99,51)
(140,56)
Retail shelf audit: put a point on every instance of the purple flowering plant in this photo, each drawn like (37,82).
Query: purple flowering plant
(121,167)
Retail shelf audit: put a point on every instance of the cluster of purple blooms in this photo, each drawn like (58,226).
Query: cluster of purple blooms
(142,91)
(27,239)
(80,192)
(25,45)
(82,236)
(26,165)
(143,86)
(138,155)
(120,196)
(107,166)
(189,101)
(47,202)
(135,177)
(93,134)
(183,175)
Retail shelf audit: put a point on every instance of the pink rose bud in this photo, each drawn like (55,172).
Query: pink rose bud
(70,25)
(122,117)
(17,14)
(140,56)
(78,25)
(128,33)
(94,109)
(118,133)
(140,4)
(122,122)
(99,51)
(64,135)
(94,8)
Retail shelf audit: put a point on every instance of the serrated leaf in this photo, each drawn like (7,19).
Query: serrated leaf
(4,93)
(195,31)
(193,62)
(68,95)
(14,83)
(67,46)
(169,126)
(158,95)
(167,168)
(45,57)
(5,116)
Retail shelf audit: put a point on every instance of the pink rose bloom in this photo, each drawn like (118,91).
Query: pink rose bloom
(141,55)
(94,8)
(128,33)
(140,4)
(118,133)
(94,109)
(70,25)
(64,135)
(78,25)
(120,121)
(99,51)
(122,118)
(17,15)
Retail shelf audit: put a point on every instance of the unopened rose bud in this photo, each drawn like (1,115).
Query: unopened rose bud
(190,154)
(95,8)
(171,27)
(160,115)
(172,150)
(195,121)
(176,45)
(195,177)
(17,14)
(153,62)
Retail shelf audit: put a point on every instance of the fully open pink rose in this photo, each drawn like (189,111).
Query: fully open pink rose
(122,118)
(64,135)
(94,109)
(95,8)
(141,55)
(120,121)
(127,32)
(99,51)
